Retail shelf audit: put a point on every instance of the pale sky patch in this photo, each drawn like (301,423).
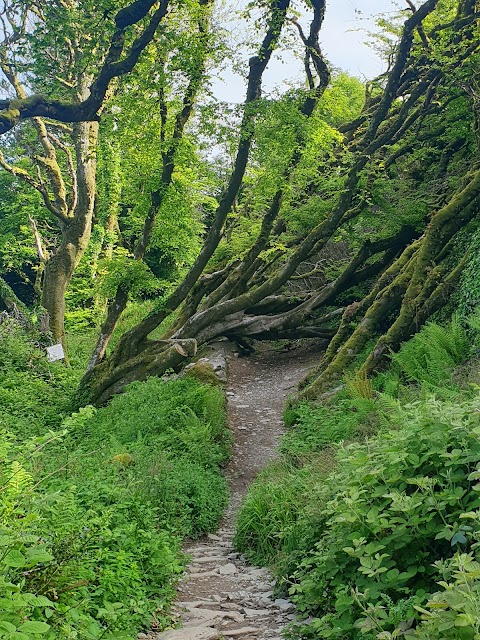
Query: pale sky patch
(343,40)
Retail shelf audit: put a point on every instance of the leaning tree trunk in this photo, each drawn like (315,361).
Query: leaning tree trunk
(444,225)
(135,348)
(230,302)
(421,284)
(119,302)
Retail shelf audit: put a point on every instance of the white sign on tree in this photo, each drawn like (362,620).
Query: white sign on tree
(55,352)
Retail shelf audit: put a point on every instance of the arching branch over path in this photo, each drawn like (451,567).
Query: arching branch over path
(117,62)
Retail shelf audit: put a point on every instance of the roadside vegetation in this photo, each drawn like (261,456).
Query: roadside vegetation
(371,516)
(94,505)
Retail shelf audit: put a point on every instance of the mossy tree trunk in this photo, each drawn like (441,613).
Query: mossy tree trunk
(75,231)
(64,174)
(196,79)
(417,290)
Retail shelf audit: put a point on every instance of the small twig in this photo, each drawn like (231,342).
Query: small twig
(38,241)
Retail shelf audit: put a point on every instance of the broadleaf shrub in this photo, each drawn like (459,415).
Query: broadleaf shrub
(378,537)
(391,509)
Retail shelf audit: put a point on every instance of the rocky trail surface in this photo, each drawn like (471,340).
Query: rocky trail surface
(221,595)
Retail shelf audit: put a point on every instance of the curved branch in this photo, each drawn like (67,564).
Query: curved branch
(13,111)
(18,172)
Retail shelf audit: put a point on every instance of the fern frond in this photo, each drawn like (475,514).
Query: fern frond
(359,385)
(432,354)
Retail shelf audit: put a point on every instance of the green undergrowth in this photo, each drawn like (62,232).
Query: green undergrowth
(370,519)
(35,395)
(313,428)
(94,506)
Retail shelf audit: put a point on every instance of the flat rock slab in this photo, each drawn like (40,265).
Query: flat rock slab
(197,633)
(282,604)
(203,574)
(207,559)
(256,613)
(211,616)
(228,570)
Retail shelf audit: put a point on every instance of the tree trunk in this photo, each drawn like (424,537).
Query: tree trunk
(60,266)
(257,64)
(107,379)
(414,294)
(57,275)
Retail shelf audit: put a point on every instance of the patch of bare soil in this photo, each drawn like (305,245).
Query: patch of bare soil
(221,595)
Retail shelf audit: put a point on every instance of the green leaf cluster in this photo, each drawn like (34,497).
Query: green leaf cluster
(391,509)
(35,395)
(23,552)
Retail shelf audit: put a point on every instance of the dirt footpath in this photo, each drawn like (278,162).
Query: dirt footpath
(221,595)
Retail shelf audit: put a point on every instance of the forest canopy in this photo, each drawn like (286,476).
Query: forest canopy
(330,210)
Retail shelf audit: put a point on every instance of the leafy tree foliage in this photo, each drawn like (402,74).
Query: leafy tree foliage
(336,211)
(314,171)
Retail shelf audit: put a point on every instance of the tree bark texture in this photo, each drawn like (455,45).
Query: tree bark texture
(75,231)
